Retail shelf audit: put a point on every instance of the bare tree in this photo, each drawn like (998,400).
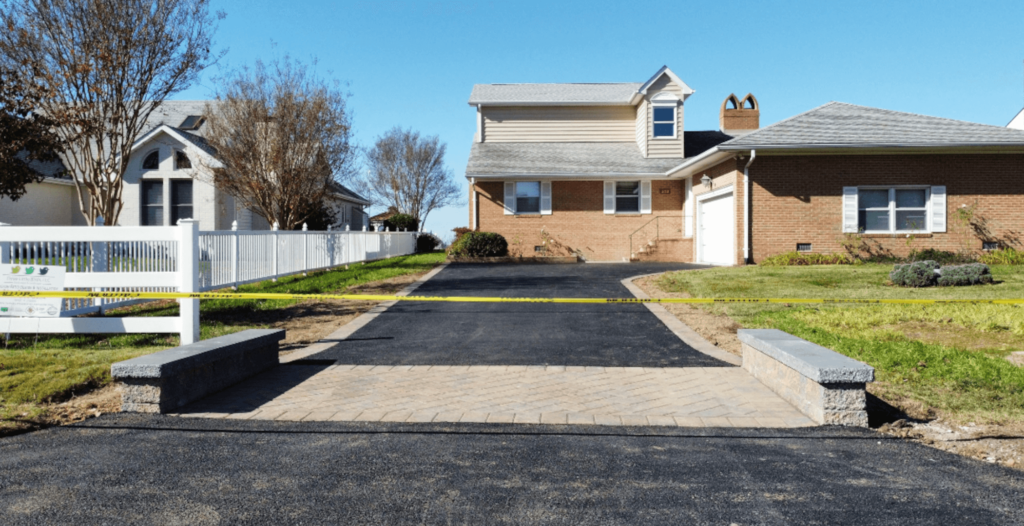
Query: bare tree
(282,136)
(105,65)
(407,171)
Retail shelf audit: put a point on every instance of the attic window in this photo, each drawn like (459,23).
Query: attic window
(665,121)
(181,161)
(152,161)
(192,122)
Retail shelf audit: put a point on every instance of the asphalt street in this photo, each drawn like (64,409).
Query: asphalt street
(121,469)
(610,335)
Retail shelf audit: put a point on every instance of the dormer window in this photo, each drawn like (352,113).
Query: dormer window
(665,122)
(181,161)
(152,161)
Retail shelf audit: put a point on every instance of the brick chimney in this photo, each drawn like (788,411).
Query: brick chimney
(739,117)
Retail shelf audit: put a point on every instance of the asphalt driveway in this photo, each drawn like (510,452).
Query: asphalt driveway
(122,469)
(422,333)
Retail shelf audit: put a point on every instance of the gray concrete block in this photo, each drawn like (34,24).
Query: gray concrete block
(166,380)
(817,363)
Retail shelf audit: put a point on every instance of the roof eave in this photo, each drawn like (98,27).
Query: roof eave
(892,146)
(705,160)
(551,103)
(564,175)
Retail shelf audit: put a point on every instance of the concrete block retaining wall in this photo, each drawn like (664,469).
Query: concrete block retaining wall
(168,380)
(826,386)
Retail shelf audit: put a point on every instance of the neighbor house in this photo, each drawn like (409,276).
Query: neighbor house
(167,179)
(610,173)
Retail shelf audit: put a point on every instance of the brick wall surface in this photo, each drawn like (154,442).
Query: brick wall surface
(798,199)
(578,222)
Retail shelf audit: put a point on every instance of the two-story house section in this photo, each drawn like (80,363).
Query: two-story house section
(609,172)
(585,164)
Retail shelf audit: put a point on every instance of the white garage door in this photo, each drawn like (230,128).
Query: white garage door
(717,230)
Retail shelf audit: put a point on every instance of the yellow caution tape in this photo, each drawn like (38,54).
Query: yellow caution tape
(470,299)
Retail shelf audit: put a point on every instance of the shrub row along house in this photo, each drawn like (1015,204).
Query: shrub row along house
(166,180)
(609,172)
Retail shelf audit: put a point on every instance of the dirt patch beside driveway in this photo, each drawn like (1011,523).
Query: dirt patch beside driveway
(718,329)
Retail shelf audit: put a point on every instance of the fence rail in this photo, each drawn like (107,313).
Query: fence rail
(176,259)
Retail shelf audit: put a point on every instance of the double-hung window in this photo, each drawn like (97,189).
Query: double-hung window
(181,200)
(892,210)
(664,122)
(627,197)
(528,197)
(153,203)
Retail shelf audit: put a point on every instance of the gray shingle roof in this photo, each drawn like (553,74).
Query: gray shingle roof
(838,124)
(174,112)
(612,93)
(563,158)
(343,191)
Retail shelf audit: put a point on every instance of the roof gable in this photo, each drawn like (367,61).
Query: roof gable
(670,77)
(840,125)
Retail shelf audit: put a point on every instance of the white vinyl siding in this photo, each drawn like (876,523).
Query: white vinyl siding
(641,127)
(664,147)
(559,124)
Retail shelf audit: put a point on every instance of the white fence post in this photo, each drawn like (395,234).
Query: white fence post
(5,248)
(305,249)
(188,273)
(99,262)
(234,255)
(330,247)
(274,228)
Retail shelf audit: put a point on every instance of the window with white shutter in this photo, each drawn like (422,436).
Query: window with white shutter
(609,197)
(645,197)
(545,197)
(510,198)
(938,209)
(850,209)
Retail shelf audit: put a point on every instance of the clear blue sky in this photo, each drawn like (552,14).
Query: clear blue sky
(413,64)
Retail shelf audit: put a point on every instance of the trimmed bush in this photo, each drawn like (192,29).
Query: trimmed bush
(479,245)
(399,222)
(800,258)
(1003,256)
(460,231)
(427,243)
(964,275)
(916,274)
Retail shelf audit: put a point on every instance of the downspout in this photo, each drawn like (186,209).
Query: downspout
(746,207)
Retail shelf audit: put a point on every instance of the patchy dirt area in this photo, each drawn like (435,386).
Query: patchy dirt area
(996,444)
(1003,444)
(718,329)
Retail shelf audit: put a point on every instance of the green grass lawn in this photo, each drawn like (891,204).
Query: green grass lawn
(35,370)
(950,358)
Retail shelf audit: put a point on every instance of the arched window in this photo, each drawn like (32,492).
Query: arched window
(152,161)
(181,161)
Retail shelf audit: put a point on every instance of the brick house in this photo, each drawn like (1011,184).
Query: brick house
(608,172)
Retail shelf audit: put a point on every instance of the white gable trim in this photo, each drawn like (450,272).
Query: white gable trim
(687,90)
(188,145)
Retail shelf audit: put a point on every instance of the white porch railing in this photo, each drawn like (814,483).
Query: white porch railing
(174,259)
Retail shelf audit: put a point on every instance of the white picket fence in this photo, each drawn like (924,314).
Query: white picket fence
(175,259)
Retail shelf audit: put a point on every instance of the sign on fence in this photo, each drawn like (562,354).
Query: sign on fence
(33,278)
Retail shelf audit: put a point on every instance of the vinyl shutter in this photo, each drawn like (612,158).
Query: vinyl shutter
(510,198)
(938,206)
(850,209)
(645,197)
(545,197)
(609,197)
